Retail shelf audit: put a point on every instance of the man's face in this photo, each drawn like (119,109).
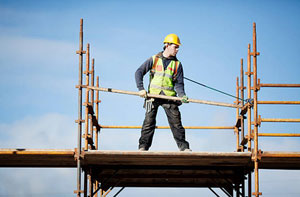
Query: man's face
(173,49)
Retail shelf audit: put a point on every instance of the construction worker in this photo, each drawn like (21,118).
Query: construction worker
(166,76)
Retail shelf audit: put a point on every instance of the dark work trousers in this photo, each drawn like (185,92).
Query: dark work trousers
(174,118)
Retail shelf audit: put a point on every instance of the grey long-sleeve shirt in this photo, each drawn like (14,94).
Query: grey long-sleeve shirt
(146,67)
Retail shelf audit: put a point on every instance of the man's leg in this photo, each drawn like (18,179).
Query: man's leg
(148,128)
(178,131)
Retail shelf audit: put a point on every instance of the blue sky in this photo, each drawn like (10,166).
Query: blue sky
(39,71)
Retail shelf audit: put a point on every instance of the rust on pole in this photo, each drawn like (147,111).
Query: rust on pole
(166,127)
(248,73)
(162,97)
(87,73)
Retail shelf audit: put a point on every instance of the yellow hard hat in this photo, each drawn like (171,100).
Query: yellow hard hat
(172,38)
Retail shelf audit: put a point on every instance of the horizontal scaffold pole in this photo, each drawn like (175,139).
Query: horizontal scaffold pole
(279,134)
(279,85)
(166,127)
(161,96)
(279,120)
(279,102)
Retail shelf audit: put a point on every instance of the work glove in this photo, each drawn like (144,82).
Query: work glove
(143,93)
(185,99)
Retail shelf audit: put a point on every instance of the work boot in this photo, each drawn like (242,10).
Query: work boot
(142,149)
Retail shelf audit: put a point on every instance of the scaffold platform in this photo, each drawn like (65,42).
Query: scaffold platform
(224,170)
(67,158)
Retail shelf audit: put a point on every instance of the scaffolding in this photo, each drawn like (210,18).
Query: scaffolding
(104,170)
(243,112)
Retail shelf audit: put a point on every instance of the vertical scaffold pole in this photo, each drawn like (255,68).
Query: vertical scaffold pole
(97,112)
(255,90)
(236,129)
(242,103)
(80,52)
(92,72)
(86,134)
(248,73)
(249,97)
(97,101)
(91,180)
(87,73)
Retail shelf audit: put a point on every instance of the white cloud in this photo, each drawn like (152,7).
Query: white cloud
(47,131)
(34,53)
(37,182)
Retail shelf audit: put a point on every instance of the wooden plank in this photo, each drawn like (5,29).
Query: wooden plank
(280,160)
(37,158)
(95,157)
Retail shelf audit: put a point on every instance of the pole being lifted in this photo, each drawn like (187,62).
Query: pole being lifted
(162,97)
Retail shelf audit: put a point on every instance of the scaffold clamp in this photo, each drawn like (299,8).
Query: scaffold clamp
(256,193)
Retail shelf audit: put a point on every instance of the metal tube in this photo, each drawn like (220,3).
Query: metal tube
(87,96)
(242,102)
(162,97)
(249,184)
(279,134)
(237,115)
(166,127)
(97,112)
(85,183)
(279,120)
(255,87)
(119,192)
(92,97)
(279,102)
(249,97)
(280,85)
(96,134)
(79,109)
(90,183)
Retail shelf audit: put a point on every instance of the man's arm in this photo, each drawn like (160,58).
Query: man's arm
(141,71)
(179,83)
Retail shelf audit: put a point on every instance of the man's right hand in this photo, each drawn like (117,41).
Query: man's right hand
(143,93)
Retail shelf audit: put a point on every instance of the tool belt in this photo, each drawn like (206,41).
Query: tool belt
(150,103)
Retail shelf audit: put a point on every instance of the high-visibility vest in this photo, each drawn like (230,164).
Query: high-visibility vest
(161,79)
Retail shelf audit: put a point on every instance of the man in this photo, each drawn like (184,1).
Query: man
(166,76)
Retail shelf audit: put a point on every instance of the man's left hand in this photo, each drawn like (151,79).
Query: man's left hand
(185,99)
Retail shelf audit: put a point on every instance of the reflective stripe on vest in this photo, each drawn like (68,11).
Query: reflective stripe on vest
(162,80)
